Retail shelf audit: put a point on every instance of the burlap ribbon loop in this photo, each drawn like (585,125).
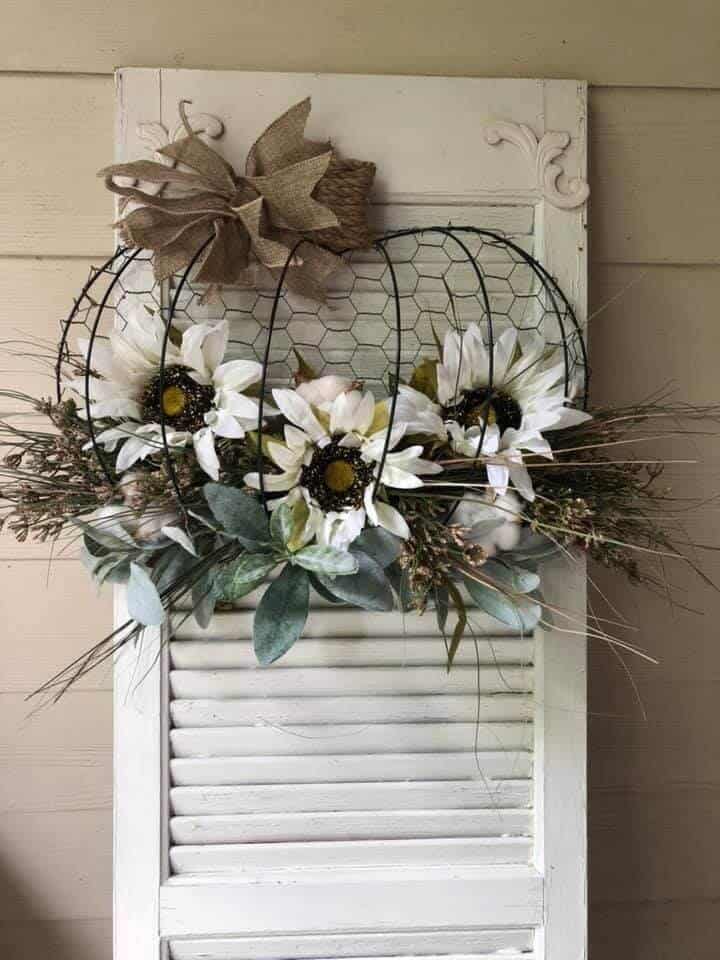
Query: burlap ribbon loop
(292,188)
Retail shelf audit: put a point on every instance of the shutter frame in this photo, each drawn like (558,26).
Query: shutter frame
(461,907)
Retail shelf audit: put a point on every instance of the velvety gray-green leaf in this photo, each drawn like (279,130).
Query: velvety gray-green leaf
(172,563)
(369,588)
(520,613)
(105,538)
(281,614)
(326,560)
(381,545)
(400,581)
(143,600)
(533,547)
(442,607)
(515,578)
(325,594)
(204,599)
(232,579)
(114,571)
(241,514)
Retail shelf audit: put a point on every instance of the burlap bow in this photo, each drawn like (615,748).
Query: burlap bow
(292,188)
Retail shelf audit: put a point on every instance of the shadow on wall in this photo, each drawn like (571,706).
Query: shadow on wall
(28,933)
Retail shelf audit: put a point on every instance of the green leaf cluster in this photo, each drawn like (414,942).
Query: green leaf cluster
(354,576)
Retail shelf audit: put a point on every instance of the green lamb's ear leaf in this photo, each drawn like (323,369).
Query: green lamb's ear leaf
(287,523)
(520,613)
(442,607)
(516,579)
(106,539)
(326,560)
(241,515)
(113,571)
(369,588)
(400,581)
(170,565)
(533,547)
(380,544)
(143,600)
(238,578)
(204,599)
(281,614)
(325,594)
(280,520)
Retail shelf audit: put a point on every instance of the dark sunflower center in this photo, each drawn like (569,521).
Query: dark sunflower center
(336,477)
(181,400)
(482,404)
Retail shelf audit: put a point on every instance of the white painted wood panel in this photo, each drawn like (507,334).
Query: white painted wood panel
(348,738)
(340,768)
(358,825)
(477,944)
(353,901)
(377,788)
(465,708)
(324,681)
(335,797)
(407,651)
(227,859)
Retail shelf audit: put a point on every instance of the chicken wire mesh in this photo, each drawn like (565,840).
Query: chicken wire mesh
(387,308)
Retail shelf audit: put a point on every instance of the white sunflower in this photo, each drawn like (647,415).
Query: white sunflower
(498,417)
(331,458)
(200,396)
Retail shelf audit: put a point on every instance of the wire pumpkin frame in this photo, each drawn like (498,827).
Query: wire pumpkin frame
(452,247)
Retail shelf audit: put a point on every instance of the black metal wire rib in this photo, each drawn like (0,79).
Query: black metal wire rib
(266,367)
(167,454)
(110,474)
(380,245)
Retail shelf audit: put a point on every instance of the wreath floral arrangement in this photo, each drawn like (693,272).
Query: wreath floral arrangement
(187,474)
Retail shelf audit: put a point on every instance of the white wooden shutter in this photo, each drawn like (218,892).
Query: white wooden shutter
(355,800)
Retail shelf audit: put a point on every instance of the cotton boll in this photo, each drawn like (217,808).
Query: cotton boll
(322,391)
(505,510)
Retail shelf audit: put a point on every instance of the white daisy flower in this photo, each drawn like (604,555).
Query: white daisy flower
(201,398)
(498,422)
(330,460)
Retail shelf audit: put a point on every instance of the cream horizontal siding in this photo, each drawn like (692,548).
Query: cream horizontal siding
(655,221)
(616,41)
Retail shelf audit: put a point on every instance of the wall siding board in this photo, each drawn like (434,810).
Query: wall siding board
(677,45)
(57,133)
(653,163)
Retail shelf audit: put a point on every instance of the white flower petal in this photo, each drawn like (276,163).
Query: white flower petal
(224,424)
(237,374)
(498,476)
(203,347)
(521,480)
(351,412)
(389,518)
(297,410)
(273,482)
(323,390)
(339,529)
(134,449)
(503,353)
(286,458)
(204,446)
(179,536)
